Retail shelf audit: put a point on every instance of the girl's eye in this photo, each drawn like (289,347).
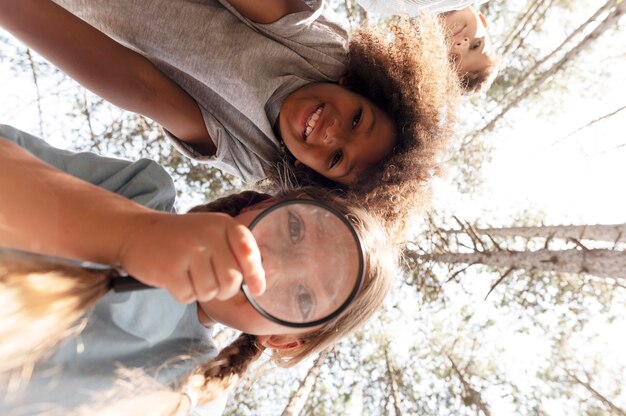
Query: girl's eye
(305,302)
(294,227)
(357,118)
(336,158)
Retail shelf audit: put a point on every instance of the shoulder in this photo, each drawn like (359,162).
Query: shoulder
(307,16)
(268,12)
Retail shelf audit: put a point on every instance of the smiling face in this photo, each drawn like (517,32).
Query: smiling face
(335,132)
(470,46)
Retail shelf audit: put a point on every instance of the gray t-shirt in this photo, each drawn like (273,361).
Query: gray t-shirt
(239,72)
(143,329)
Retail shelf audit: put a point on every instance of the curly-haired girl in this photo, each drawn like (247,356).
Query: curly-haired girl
(148,330)
(239,84)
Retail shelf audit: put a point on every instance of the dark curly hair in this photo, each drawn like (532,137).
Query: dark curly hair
(405,70)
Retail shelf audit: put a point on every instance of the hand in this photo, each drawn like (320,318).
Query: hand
(196,256)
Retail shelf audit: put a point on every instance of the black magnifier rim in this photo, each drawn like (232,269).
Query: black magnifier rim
(361,271)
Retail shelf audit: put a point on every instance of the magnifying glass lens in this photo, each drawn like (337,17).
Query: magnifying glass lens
(312,261)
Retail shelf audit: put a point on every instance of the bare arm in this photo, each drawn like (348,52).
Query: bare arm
(268,11)
(194,256)
(107,68)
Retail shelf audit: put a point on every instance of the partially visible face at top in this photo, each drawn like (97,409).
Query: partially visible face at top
(335,132)
(303,252)
(470,46)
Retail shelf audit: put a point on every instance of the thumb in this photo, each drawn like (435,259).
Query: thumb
(248,256)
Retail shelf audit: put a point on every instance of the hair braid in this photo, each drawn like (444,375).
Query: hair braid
(212,379)
(232,204)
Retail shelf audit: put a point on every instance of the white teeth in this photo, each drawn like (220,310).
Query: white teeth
(312,121)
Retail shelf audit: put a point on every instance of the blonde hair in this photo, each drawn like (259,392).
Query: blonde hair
(41,305)
(212,379)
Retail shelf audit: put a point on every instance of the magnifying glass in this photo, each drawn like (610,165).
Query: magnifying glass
(312,256)
(313,263)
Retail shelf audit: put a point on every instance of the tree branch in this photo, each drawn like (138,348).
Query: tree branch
(499,281)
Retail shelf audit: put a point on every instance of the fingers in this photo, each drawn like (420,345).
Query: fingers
(206,256)
(183,293)
(202,276)
(228,276)
(248,257)
(219,273)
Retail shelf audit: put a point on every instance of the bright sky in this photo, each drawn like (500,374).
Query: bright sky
(578,179)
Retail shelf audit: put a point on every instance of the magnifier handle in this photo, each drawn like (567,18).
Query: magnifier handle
(127,284)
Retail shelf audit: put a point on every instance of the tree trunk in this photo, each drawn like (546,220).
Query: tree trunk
(615,233)
(597,262)
(538,20)
(33,70)
(518,26)
(591,123)
(299,397)
(607,23)
(575,33)
(471,394)
(393,383)
(614,408)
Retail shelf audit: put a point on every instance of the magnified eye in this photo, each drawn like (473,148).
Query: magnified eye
(477,44)
(294,227)
(305,302)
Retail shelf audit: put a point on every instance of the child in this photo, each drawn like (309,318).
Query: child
(57,216)
(148,329)
(470,46)
(257,88)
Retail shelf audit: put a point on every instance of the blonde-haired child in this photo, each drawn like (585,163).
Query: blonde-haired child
(145,330)
(470,46)
(258,88)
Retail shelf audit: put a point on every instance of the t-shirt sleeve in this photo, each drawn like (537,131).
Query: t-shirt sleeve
(414,7)
(317,35)
(143,181)
(232,156)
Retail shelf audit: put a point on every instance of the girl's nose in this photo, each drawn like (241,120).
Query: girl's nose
(333,134)
(329,139)
(462,41)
